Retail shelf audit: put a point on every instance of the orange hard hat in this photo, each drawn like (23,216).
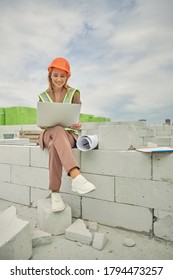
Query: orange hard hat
(60,63)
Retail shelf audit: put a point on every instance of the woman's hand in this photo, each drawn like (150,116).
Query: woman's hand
(76,126)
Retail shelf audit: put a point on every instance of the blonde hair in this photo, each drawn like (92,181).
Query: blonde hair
(50,84)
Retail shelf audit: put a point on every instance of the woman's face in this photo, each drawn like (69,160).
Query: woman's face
(59,78)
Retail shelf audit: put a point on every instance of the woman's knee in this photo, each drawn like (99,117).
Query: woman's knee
(58,130)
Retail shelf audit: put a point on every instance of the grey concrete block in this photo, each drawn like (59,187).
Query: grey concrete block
(14,141)
(99,241)
(151,131)
(78,232)
(4,173)
(130,164)
(53,222)
(118,137)
(37,193)
(163,226)
(15,193)
(163,132)
(146,193)
(162,167)
(18,155)
(104,186)
(74,201)
(93,226)
(30,176)
(160,141)
(117,215)
(39,158)
(15,236)
(40,238)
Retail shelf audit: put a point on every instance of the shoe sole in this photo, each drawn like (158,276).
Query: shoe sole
(83,192)
(58,210)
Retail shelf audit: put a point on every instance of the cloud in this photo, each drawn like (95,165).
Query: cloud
(120,53)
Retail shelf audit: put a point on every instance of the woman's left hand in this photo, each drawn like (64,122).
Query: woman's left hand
(76,126)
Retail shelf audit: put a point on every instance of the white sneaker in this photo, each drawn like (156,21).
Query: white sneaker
(57,202)
(81,185)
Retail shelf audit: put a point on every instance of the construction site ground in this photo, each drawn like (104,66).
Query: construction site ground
(60,248)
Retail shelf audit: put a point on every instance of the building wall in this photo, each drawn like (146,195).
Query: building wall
(134,189)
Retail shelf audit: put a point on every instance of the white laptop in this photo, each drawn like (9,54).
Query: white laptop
(51,114)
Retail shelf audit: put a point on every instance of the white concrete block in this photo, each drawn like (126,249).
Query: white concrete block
(163,132)
(146,193)
(66,184)
(117,163)
(163,226)
(74,201)
(14,141)
(162,167)
(4,173)
(15,236)
(53,222)
(160,141)
(40,238)
(141,131)
(10,129)
(30,176)
(39,158)
(93,226)
(168,127)
(14,155)
(151,132)
(104,186)
(37,194)
(99,241)
(14,192)
(140,123)
(118,137)
(117,215)
(78,232)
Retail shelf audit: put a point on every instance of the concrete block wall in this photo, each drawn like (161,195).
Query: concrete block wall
(24,173)
(134,189)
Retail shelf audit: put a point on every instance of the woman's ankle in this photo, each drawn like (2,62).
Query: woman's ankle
(74,172)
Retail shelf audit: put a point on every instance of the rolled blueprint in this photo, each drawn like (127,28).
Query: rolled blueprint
(87,142)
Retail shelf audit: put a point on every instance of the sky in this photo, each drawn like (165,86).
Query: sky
(120,52)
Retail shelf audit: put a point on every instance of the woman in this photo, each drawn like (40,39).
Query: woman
(59,140)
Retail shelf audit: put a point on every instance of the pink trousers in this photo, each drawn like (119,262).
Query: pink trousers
(59,143)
